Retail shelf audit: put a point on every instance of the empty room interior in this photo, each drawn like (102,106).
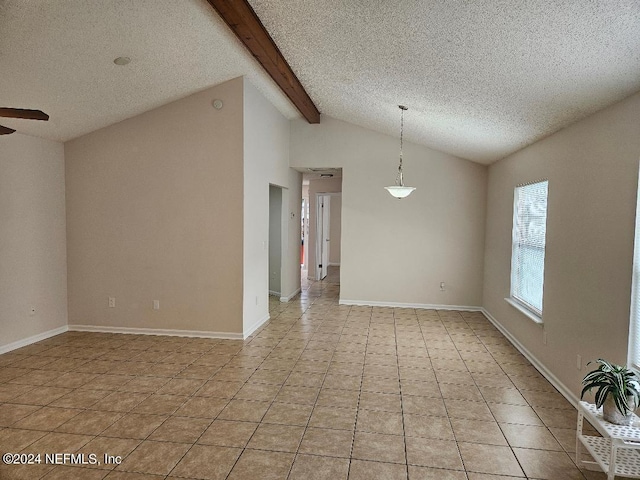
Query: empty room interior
(255,239)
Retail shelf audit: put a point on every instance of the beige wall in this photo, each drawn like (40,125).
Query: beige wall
(398,251)
(291,228)
(266,161)
(592,167)
(320,185)
(33,270)
(154,211)
(275,240)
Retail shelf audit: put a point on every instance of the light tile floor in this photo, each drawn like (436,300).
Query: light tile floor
(323,391)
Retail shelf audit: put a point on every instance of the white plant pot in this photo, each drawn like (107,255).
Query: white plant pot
(612,415)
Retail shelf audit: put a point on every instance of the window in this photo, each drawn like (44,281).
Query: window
(634,328)
(528,245)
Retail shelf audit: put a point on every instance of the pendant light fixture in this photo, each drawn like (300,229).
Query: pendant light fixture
(399,190)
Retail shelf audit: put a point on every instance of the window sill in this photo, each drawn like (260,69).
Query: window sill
(525,311)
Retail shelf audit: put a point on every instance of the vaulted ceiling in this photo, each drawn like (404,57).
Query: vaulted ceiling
(57,56)
(481,79)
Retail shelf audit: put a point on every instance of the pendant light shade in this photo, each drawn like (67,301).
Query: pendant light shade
(399,190)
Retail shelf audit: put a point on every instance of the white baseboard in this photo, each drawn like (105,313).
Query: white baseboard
(256,326)
(33,339)
(156,331)
(331,264)
(288,298)
(426,306)
(561,387)
(273,293)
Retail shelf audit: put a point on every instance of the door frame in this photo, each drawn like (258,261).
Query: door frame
(316,270)
(321,240)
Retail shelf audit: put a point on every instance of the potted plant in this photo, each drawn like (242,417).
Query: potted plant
(618,391)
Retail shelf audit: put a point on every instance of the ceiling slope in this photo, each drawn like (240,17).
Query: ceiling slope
(482,79)
(57,56)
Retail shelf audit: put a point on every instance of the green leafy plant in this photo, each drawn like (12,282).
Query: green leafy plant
(615,380)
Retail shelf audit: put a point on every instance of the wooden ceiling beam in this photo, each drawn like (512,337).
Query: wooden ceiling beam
(244,22)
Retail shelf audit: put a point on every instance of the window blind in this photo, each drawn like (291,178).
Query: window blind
(528,244)
(634,327)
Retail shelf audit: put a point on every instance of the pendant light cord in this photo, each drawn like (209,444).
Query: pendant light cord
(399,190)
(399,179)
(401,134)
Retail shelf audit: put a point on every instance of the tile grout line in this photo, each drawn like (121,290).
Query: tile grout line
(276,395)
(404,429)
(295,454)
(455,439)
(485,401)
(355,424)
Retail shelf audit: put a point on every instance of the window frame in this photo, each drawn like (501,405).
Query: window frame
(633,350)
(529,310)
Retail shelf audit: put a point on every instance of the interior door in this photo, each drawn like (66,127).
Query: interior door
(322,236)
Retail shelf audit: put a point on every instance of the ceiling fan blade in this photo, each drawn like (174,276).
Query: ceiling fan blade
(6,130)
(23,113)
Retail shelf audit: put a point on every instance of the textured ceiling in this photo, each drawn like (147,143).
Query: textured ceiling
(481,78)
(57,56)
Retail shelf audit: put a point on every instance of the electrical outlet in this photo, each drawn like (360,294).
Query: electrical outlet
(32,311)
(156,304)
(579,362)
(442,286)
(112,302)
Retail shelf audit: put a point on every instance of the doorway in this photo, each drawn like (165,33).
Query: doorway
(322,223)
